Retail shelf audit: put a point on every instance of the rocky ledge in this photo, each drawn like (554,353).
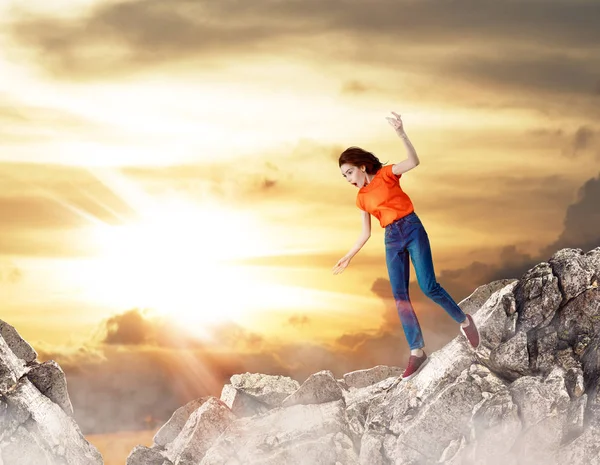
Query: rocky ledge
(528,395)
(36,415)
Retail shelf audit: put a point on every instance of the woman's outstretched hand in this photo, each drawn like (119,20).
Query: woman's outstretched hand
(341,264)
(396,122)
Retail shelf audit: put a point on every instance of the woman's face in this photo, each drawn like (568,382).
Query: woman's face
(354,174)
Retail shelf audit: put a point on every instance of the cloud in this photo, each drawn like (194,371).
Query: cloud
(532,41)
(9,273)
(44,207)
(582,221)
(581,229)
(299,320)
(23,123)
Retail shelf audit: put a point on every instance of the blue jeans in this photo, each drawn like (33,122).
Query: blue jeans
(407,236)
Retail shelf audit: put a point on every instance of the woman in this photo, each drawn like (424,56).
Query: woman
(380,195)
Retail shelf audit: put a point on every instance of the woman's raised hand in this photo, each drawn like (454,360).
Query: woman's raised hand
(396,122)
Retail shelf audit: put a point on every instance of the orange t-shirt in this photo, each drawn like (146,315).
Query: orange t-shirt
(384,198)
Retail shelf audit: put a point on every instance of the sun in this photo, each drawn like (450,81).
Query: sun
(177,261)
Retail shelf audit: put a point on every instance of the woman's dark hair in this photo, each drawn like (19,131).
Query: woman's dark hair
(357,157)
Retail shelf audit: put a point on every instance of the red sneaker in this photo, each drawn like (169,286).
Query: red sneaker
(414,365)
(471,333)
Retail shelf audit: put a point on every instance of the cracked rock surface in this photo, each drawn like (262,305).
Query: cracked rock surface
(36,415)
(530,394)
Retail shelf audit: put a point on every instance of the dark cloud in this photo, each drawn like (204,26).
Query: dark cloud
(582,221)
(581,229)
(129,328)
(138,327)
(524,46)
(299,320)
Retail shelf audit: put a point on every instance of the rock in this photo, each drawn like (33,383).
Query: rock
(530,394)
(358,402)
(593,259)
(22,448)
(241,404)
(142,455)
(448,414)
(371,450)
(171,429)
(56,435)
(583,450)
(16,343)
(298,434)
(319,388)
(492,318)
(268,389)
(203,426)
(475,301)
(496,424)
(574,423)
(36,424)
(579,317)
(363,378)
(50,380)
(591,368)
(511,358)
(11,367)
(538,399)
(544,344)
(538,297)
(574,272)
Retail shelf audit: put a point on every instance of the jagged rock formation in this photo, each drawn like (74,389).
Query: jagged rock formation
(36,415)
(528,395)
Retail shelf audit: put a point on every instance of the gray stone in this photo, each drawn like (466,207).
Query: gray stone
(583,450)
(448,414)
(593,259)
(580,317)
(55,432)
(142,455)
(496,426)
(240,403)
(479,296)
(492,318)
(11,367)
(367,377)
(50,380)
(511,358)
(17,344)
(318,388)
(202,428)
(574,272)
(371,449)
(538,297)
(297,428)
(268,389)
(171,429)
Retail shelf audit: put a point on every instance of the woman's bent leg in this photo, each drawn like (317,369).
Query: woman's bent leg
(420,253)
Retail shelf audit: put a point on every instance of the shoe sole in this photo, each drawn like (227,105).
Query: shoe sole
(416,372)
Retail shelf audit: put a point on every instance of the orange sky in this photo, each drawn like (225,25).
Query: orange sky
(170,186)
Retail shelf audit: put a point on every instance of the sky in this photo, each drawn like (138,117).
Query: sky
(172,206)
